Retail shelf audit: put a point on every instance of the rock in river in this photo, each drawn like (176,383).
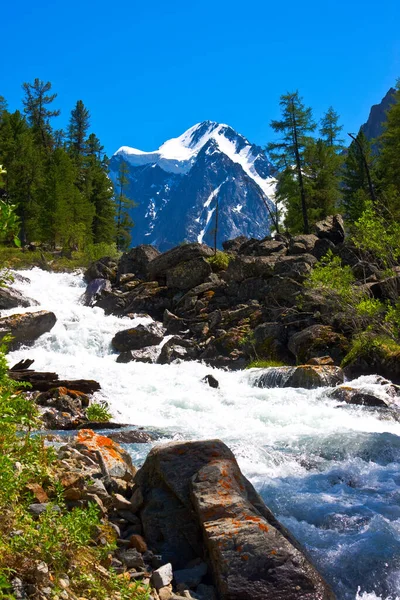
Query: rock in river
(26,328)
(197,504)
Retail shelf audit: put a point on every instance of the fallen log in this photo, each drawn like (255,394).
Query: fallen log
(43,382)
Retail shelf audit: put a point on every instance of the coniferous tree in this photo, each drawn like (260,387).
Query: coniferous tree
(330,129)
(124,222)
(99,190)
(288,153)
(389,158)
(36,103)
(79,124)
(358,170)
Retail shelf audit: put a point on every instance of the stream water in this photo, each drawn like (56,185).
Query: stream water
(329,472)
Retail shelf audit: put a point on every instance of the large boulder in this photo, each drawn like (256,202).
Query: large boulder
(138,337)
(303,376)
(188,274)
(331,228)
(11,298)
(296,267)
(198,505)
(168,260)
(104,268)
(318,340)
(299,244)
(233,245)
(245,267)
(137,261)
(26,328)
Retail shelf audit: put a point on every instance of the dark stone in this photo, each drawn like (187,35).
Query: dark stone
(234,244)
(104,268)
(188,274)
(137,261)
(138,337)
(295,267)
(26,328)
(321,247)
(172,323)
(354,396)
(11,298)
(331,228)
(170,259)
(318,340)
(143,355)
(245,267)
(268,247)
(300,244)
(305,376)
(211,380)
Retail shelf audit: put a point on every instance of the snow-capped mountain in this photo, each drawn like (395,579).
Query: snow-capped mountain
(177,188)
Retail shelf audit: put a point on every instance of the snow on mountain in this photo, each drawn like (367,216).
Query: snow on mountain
(184,179)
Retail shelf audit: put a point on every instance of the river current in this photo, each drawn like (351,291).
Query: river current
(329,472)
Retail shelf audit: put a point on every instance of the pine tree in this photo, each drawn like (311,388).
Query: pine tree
(330,129)
(67,218)
(36,103)
(123,221)
(389,158)
(358,177)
(79,124)
(322,180)
(288,153)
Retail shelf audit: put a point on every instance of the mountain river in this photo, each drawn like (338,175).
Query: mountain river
(329,472)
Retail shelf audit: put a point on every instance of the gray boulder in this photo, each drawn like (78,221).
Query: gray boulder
(188,274)
(26,328)
(331,228)
(137,261)
(164,262)
(138,337)
(11,298)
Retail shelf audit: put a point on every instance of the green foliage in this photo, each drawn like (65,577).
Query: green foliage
(219,262)
(99,412)
(9,224)
(330,276)
(124,222)
(377,238)
(389,158)
(368,345)
(356,194)
(264,364)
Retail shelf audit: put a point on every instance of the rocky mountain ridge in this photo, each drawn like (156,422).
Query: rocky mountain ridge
(180,187)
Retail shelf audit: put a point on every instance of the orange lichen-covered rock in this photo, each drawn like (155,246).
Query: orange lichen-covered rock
(197,503)
(116,460)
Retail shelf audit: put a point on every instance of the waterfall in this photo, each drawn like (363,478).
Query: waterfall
(329,472)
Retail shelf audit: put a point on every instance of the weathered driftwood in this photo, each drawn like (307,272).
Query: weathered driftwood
(43,381)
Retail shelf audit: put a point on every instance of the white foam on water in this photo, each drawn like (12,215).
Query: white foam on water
(330,472)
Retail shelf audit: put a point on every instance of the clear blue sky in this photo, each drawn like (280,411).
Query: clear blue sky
(149,70)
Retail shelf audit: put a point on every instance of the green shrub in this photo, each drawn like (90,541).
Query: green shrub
(219,262)
(99,412)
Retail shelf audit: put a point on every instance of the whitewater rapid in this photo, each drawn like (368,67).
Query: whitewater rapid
(329,472)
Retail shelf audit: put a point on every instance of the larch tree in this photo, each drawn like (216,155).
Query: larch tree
(288,153)
(79,124)
(36,103)
(124,222)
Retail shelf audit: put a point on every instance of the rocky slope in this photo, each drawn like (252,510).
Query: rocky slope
(177,188)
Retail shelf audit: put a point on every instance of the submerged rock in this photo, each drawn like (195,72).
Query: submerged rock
(197,503)
(26,328)
(11,298)
(303,376)
(355,396)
